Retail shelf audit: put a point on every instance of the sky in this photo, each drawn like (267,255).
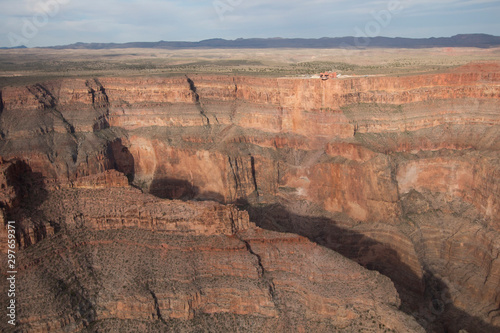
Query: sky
(60,22)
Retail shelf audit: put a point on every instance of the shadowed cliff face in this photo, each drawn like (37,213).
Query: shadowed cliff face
(398,174)
(122,159)
(424,294)
(23,194)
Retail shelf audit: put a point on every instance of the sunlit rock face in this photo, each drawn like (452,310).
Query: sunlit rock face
(276,177)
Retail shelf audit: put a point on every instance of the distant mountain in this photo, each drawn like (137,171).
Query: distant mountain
(468,40)
(15,47)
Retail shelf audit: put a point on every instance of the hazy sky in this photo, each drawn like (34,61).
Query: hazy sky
(56,22)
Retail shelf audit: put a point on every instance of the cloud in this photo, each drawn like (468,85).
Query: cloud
(152,20)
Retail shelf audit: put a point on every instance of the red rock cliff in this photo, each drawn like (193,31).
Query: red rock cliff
(397,173)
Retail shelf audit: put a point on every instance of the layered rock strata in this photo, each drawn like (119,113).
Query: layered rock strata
(125,261)
(400,174)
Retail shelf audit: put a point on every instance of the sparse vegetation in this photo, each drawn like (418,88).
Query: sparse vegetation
(19,67)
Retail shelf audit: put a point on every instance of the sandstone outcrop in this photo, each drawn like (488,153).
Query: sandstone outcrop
(400,174)
(122,260)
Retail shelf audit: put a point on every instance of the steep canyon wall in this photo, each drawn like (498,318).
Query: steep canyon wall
(400,174)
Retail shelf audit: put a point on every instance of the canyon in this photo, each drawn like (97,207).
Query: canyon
(205,203)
